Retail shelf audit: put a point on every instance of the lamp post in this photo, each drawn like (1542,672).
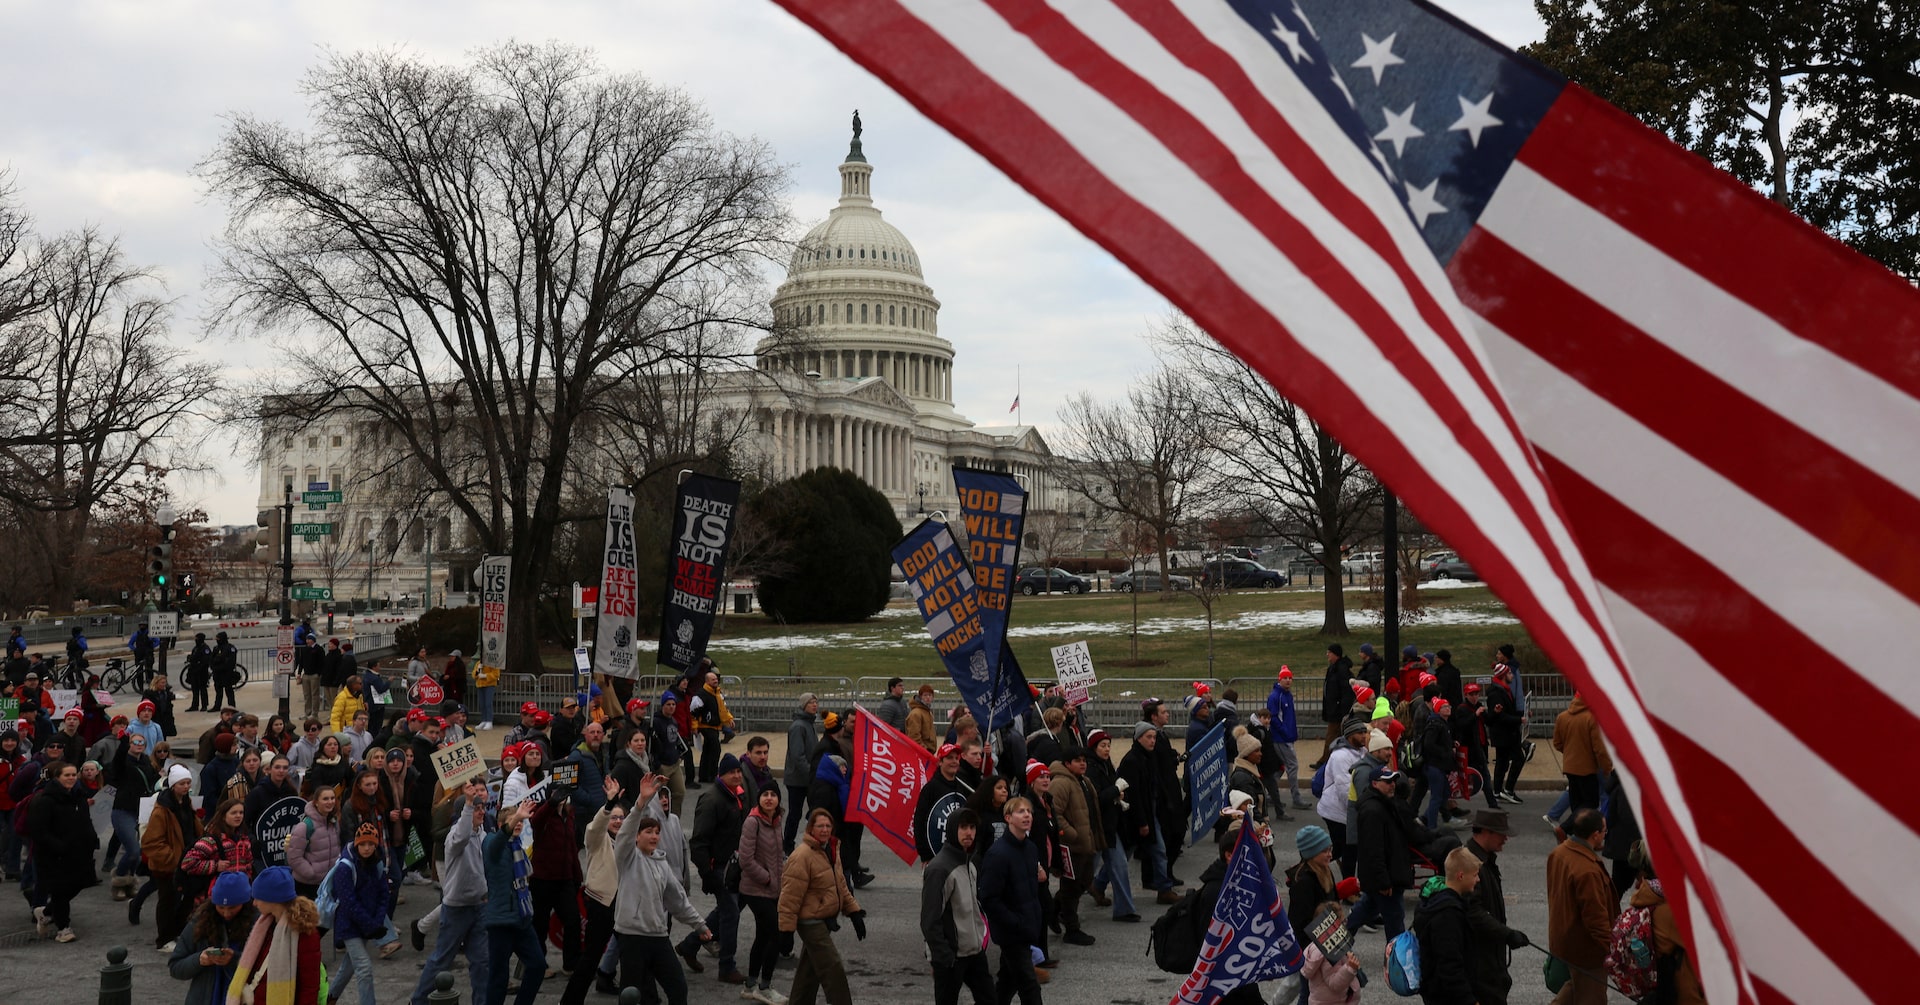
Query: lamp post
(369,593)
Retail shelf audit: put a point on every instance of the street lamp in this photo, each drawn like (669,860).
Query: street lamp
(369,593)
(923,497)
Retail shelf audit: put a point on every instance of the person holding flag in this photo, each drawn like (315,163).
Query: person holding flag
(1248,938)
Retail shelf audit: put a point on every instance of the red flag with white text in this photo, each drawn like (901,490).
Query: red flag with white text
(888,772)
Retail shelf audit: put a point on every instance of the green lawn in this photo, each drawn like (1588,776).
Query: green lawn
(1255,631)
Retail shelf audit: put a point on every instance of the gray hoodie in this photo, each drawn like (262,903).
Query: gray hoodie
(650,894)
(950,918)
(463,876)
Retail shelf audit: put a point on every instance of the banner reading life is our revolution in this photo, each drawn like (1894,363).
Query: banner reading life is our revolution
(496,572)
(696,563)
(613,639)
(943,588)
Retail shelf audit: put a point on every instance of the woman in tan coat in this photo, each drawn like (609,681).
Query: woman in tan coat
(171,830)
(813,895)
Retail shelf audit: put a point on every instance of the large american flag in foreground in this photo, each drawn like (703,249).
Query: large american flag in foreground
(1541,324)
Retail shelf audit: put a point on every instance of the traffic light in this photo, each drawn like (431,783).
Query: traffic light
(267,544)
(160,558)
(185,592)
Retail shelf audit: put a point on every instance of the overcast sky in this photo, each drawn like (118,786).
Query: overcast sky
(111,104)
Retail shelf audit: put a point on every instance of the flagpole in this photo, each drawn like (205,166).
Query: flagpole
(1019,416)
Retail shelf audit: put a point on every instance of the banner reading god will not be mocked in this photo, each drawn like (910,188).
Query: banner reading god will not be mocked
(944,590)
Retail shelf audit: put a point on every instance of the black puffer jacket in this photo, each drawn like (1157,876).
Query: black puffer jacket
(1010,892)
(1387,829)
(1446,960)
(1338,696)
(1503,719)
(1436,744)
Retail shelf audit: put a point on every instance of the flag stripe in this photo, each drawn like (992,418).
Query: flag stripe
(1708,325)
(1731,236)
(1832,496)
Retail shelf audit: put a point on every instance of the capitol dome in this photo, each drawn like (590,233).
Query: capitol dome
(855,303)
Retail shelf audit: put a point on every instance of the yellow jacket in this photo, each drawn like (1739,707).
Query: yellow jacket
(344,705)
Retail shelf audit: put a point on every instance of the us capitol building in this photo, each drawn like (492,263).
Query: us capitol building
(870,390)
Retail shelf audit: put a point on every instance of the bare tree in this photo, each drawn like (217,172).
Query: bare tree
(1271,458)
(1052,533)
(485,259)
(109,395)
(1139,458)
(21,286)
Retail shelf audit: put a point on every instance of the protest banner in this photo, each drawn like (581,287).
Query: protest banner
(1073,667)
(565,775)
(10,711)
(696,566)
(1249,939)
(459,763)
(613,628)
(1206,782)
(993,511)
(888,772)
(943,589)
(1329,933)
(63,699)
(275,823)
(427,691)
(496,572)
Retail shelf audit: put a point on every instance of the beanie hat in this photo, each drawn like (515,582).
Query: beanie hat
(1246,744)
(1311,840)
(223,744)
(1378,741)
(74,713)
(230,890)
(667,696)
(1348,888)
(1363,695)
(510,750)
(1426,678)
(1442,707)
(1392,687)
(1506,649)
(1366,649)
(728,762)
(178,773)
(1094,738)
(274,885)
(1355,724)
(1409,652)
(1334,648)
(368,831)
(1238,799)
(1193,702)
(831,723)
(144,706)
(807,697)
(1034,770)
(1286,673)
(397,752)
(1141,729)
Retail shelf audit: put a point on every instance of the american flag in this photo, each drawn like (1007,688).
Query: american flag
(1673,426)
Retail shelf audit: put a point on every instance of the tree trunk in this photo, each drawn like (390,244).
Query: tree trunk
(1335,593)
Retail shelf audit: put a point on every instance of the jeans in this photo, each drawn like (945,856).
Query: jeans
(359,963)
(1111,870)
(396,871)
(1437,792)
(724,922)
(459,929)
(645,959)
(1016,977)
(766,938)
(484,697)
(1153,859)
(1388,909)
(126,826)
(505,942)
(969,972)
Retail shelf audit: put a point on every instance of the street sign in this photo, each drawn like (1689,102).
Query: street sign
(318,500)
(283,653)
(313,593)
(163,624)
(313,529)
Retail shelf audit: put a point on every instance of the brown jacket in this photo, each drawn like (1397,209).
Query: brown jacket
(920,725)
(1666,939)
(163,844)
(1580,905)
(812,887)
(1077,816)
(1576,735)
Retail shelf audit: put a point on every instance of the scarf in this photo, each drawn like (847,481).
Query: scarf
(278,970)
(522,871)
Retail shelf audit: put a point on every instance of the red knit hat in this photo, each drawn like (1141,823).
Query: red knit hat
(1034,770)
(1286,672)
(1363,694)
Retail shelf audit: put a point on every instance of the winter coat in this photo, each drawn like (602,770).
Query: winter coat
(800,740)
(1338,695)
(1436,744)
(666,743)
(1447,956)
(206,929)
(1666,942)
(936,789)
(361,887)
(829,789)
(1077,811)
(1360,779)
(332,774)
(132,778)
(171,830)
(1101,775)
(600,876)
(590,793)
(1010,889)
(1307,896)
(1336,776)
(761,850)
(509,881)
(1280,715)
(717,820)
(1581,905)
(554,857)
(1142,776)
(345,704)
(1450,686)
(920,725)
(950,919)
(265,794)
(1373,673)
(892,711)
(1387,830)
(1576,735)
(1493,941)
(63,838)
(1327,983)
(214,854)
(1503,718)
(313,846)
(813,887)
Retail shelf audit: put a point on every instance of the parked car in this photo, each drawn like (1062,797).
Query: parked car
(1034,579)
(1236,572)
(1363,563)
(1148,581)
(1447,565)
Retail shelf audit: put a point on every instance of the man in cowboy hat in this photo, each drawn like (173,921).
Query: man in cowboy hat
(1493,942)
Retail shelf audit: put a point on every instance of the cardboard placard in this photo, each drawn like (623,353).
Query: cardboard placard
(1329,933)
(459,763)
(565,775)
(63,699)
(1073,665)
(275,823)
(9,709)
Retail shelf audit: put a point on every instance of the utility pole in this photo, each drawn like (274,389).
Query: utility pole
(1390,561)
(163,572)
(286,586)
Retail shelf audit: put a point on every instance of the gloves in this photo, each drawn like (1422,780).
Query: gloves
(859,919)
(1120,783)
(1517,939)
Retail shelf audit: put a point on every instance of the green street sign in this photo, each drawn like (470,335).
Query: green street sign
(313,530)
(312,593)
(319,500)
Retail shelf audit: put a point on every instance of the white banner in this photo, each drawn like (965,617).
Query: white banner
(1074,666)
(495,573)
(613,639)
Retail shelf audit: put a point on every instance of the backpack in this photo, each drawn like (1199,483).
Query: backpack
(1319,779)
(1403,964)
(1411,757)
(324,898)
(1175,937)
(1631,964)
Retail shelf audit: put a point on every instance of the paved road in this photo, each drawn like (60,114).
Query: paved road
(888,967)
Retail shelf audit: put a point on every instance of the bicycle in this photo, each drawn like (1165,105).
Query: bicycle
(119,674)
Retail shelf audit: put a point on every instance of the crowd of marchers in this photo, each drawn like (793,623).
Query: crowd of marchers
(1027,834)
